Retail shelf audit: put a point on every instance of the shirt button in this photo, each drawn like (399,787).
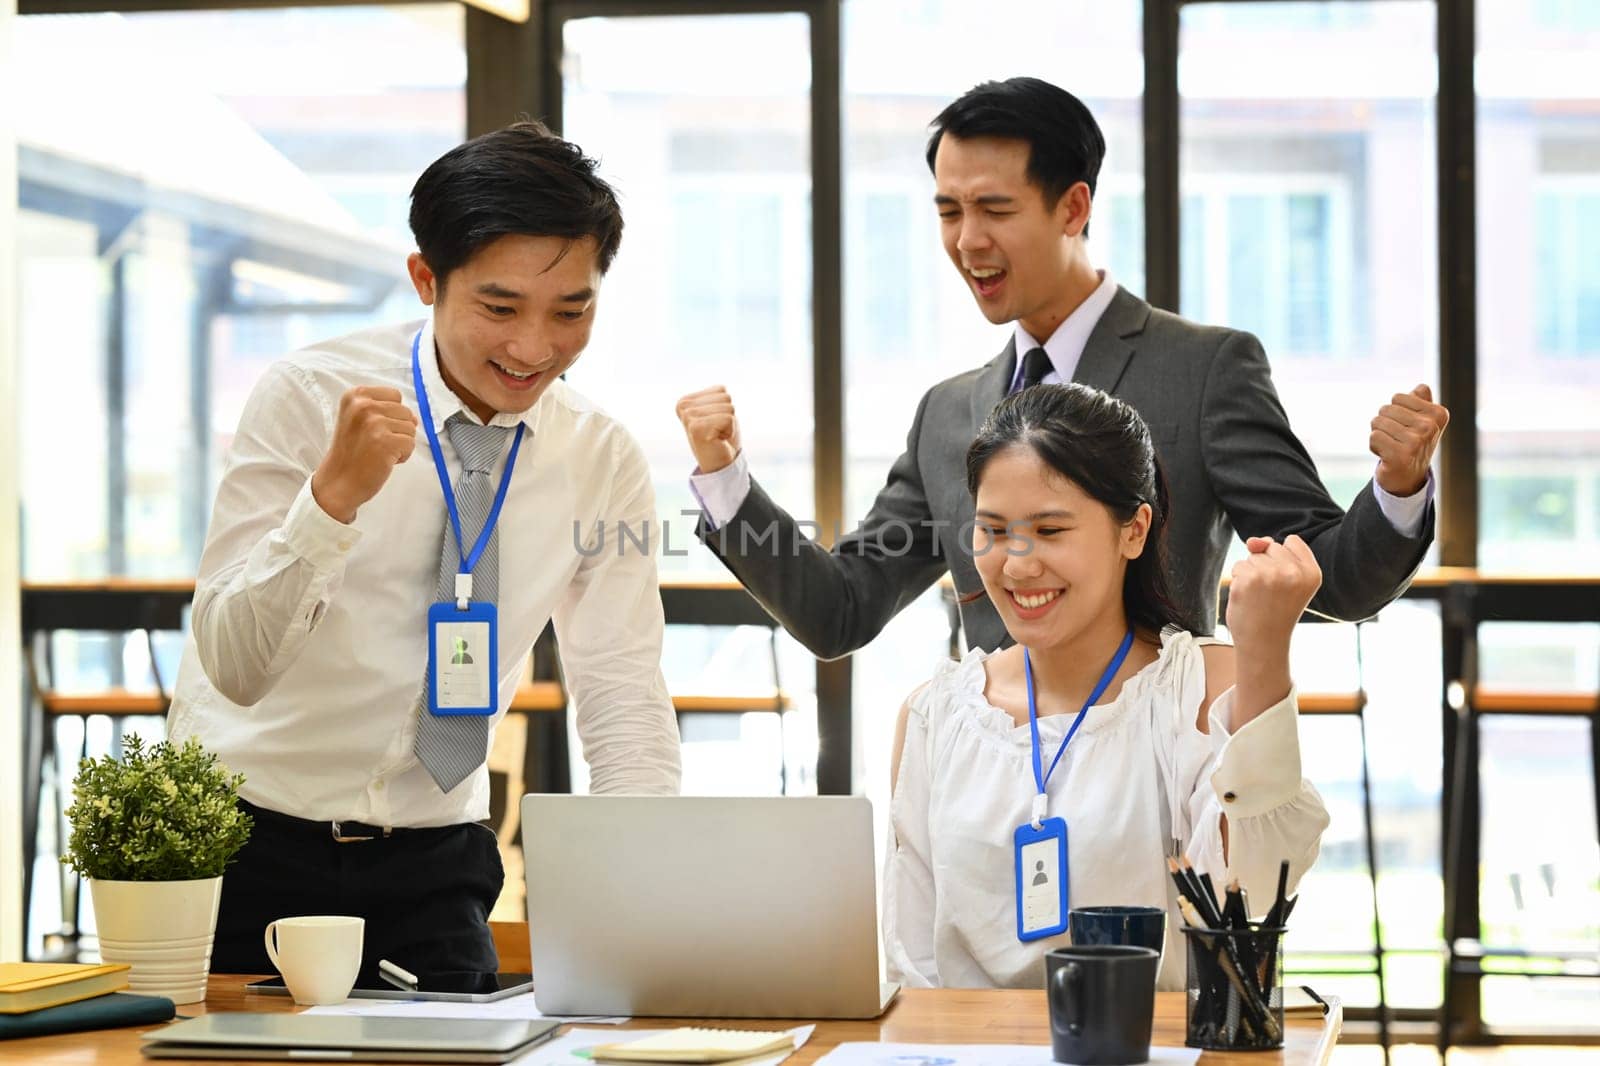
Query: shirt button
(377,786)
(1228,797)
(344,545)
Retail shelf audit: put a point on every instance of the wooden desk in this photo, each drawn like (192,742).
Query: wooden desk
(943,1016)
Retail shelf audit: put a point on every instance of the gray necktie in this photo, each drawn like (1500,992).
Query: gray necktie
(1035,365)
(452,746)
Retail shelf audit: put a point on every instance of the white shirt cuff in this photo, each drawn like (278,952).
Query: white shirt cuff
(722,494)
(1258,768)
(1405,513)
(316,536)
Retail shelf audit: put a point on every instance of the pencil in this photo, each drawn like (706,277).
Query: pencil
(1279,900)
(1190,885)
(1205,898)
(1233,912)
(1276,917)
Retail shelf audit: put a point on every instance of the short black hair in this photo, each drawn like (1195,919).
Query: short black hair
(522,179)
(1065,145)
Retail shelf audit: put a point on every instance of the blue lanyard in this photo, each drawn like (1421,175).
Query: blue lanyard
(467,561)
(1039,776)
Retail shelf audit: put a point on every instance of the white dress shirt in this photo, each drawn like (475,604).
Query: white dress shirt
(1138,774)
(308,642)
(1065,346)
(722,493)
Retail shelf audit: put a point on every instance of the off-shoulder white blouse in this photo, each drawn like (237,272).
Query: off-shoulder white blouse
(1138,774)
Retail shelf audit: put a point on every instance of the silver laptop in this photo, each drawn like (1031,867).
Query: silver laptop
(703,907)
(346,1038)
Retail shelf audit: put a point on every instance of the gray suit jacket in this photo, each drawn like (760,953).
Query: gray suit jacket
(1219,429)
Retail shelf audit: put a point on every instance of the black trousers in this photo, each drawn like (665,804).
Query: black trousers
(426,894)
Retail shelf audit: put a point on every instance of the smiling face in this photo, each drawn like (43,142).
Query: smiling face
(512,318)
(1020,257)
(1052,557)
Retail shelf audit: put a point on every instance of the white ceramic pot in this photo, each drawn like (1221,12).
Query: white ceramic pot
(162,929)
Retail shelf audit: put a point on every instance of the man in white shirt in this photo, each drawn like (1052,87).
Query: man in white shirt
(332,549)
(1014,166)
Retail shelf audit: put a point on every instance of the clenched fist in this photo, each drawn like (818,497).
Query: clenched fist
(374,432)
(1267,594)
(1405,433)
(711,426)
(1269,590)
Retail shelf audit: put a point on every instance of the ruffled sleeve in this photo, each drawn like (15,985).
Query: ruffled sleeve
(909,895)
(1252,777)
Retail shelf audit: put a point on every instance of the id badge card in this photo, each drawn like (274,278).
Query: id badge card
(463,658)
(1041,867)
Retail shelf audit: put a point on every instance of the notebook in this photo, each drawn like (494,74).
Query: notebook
(696,1045)
(1300,1002)
(26,986)
(111,1011)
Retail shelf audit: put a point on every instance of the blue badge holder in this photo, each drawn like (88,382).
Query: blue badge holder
(1049,829)
(476,611)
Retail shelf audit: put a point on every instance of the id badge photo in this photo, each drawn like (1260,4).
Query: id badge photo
(463,659)
(1041,870)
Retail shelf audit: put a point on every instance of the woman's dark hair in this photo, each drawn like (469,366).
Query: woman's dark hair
(1065,145)
(522,179)
(1101,445)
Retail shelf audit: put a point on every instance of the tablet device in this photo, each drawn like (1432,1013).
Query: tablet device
(346,1038)
(450,988)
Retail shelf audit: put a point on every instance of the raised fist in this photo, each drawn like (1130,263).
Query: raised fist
(375,431)
(711,426)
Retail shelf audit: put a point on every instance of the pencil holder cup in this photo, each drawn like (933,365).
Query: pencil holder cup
(1235,988)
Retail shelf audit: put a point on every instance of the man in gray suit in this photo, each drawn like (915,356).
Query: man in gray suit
(1014,165)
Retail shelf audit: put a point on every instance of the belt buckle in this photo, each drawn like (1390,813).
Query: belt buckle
(340,837)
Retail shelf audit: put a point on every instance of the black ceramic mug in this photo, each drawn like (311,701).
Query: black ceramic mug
(1144,927)
(1102,1001)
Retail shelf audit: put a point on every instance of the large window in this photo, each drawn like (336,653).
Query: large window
(710,155)
(1568,291)
(1308,218)
(1275,260)
(1539,505)
(732,246)
(192,208)
(1538,287)
(713,283)
(1308,212)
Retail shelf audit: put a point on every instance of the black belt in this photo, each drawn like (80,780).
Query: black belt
(343,832)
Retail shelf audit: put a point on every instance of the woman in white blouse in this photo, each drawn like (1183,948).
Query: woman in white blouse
(1178,744)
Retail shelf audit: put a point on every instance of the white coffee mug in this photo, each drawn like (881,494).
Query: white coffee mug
(318,955)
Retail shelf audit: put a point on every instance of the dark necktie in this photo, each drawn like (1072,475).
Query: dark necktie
(1035,365)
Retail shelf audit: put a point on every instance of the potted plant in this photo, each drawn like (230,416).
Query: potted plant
(152,834)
